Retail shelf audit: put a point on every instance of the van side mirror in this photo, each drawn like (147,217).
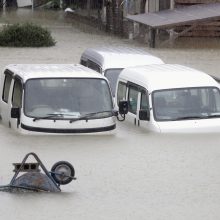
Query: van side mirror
(144,115)
(123,107)
(15,112)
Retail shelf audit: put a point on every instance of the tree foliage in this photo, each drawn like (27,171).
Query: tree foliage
(25,35)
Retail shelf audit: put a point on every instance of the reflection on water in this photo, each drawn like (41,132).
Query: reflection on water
(44,17)
(130,175)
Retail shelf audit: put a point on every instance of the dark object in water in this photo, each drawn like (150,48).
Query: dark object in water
(33,180)
(65,168)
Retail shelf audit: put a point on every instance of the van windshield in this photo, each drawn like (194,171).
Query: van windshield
(112,76)
(67,97)
(186,103)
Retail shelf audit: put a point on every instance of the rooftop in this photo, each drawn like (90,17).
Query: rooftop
(26,71)
(166,76)
(179,16)
(120,57)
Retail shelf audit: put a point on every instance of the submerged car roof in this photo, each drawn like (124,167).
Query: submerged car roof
(166,76)
(27,71)
(120,57)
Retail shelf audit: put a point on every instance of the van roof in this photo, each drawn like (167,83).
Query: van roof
(166,76)
(120,57)
(27,71)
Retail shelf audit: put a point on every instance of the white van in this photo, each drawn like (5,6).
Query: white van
(169,98)
(110,61)
(55,98)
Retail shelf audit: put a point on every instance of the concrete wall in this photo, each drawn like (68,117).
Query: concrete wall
(164,4)
(157,5)
(153,5)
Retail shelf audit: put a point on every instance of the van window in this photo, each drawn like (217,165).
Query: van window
(17,94)
(216,100)
(132,99)
(67,97)
(121,94)
(144,101)
(186,103)
(94,66)
(7,83)
(83,62)
(112,76)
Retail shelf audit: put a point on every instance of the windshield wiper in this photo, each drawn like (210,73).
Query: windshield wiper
(189,117)
(214,115)
(48,116)
(89,115)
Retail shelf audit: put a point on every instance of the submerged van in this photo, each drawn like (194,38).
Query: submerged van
(169,98)
(55,98)
(110,61)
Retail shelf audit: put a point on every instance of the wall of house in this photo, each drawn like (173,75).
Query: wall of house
(157,5)
(153,5)
(164,4)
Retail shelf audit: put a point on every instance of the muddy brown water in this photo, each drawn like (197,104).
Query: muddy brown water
(129,175)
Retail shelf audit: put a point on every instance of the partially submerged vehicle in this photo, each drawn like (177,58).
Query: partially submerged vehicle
(33,180)
(55,99)
(110,61)
(169,98)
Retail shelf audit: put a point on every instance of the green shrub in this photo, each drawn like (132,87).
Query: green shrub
(25,35)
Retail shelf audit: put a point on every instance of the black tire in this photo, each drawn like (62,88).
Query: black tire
(62,167)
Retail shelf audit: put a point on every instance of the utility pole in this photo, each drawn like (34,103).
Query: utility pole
(147,6)
(172,4)
(61,4)
(4,5)
(121,17)
(114,16)
(88,7)
(108,6)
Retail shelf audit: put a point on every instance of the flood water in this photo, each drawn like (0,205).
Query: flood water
(129,175)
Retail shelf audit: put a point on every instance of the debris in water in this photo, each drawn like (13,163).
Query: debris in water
(33,180)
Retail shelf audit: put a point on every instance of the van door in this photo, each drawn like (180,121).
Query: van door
(137,98)
(133,103)
(5,99)
(16,101)
(144,105)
